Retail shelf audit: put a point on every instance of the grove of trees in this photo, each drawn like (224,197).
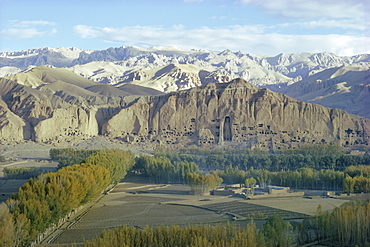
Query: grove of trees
(20,173)
(316,157)
(203,183)
(70,156)
(319,167)
(347,225)
(168,236)
(162,170)
(275,232)
(116,161)
(47,199)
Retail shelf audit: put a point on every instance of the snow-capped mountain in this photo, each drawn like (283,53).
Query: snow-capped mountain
(113,65)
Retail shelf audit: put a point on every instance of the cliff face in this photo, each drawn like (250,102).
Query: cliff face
(53,105)
(67,123)
(47,104)
(236,112)
(12,127)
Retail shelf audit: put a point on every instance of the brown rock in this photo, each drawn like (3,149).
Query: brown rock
(12,127)
(235,112)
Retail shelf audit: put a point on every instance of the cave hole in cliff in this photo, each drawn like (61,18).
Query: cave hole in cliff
(227,129)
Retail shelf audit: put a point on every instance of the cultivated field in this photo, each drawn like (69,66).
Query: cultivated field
(139,205)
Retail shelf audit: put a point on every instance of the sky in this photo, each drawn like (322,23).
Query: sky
(260,27)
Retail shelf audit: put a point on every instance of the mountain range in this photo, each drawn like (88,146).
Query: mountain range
(112,64)
(310,77)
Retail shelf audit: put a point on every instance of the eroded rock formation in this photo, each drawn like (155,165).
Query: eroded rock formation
(47,105)
(236,112)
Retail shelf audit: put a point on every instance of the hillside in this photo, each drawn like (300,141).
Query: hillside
(346,87)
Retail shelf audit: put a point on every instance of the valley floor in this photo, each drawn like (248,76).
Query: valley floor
(139,205)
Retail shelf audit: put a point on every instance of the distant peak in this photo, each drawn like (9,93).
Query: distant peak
(240,82)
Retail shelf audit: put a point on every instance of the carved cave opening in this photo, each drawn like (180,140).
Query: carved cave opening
(227,129)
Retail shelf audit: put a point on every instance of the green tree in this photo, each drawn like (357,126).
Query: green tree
(263,177)
(277,232)
(249,184)
(348,185)
(201,184)
(7,228)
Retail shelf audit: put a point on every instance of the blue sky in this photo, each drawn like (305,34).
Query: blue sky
(267,27)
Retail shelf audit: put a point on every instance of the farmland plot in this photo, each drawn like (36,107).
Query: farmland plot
(139,205)
(300,204)
(244,209)
(137,209)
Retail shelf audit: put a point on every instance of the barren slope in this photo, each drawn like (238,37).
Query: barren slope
(347,88)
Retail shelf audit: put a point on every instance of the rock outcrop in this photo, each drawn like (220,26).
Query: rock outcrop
(235,112)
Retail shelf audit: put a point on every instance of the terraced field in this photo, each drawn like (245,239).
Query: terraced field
(245,209)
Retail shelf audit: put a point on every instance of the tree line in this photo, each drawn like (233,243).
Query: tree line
(316,157)
(21,173)
(354,179)
(70,156)
(347,225)
(162,170)
(275,232)
(319,167)
(44,201)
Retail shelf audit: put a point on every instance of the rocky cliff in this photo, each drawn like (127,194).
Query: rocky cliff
(235,112)
(55,105)
(49,104)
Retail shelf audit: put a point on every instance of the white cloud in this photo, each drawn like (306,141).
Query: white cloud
(28,29)
(325,23)
(86,31)
(352,9)
(253,39)
(27,24)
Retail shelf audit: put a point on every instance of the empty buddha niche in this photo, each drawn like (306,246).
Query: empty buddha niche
(227,129)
